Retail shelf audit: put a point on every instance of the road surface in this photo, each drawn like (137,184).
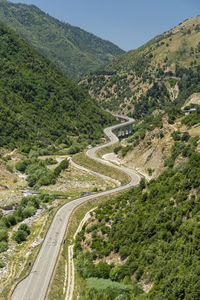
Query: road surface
(35,285)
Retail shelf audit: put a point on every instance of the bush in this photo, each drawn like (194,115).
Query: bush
(12,220)
(20,236)
(38,175)
(112,289)
(3,235)
(2,264)
(50,161)
(126,149)
(21,166)
(62,166)
(29,212)
(103,270)
(9,168)
(117,149)
(8,221)
(25,228)
(3,246)
(124,251)
(75,148)
(176,135)
(47,198)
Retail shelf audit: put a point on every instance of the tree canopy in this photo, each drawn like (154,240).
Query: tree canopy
(38,100)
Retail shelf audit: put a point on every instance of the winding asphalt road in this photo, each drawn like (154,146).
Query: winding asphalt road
(35,285)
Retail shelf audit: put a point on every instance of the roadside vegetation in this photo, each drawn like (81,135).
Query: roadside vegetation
(26,209)
(148,237)
(83,160)
(56,287)
(37,172)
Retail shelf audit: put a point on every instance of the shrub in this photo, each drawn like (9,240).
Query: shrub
(75,148)
(150,171)
(111,288)
(9,168)
(8,221)
(3,246)
(25,228)
(29,212)
(38,174)
(126,149)
(124,251)
(117,149)
(62,166)
(12,220)
(176,135)
(20,236)
(103,270)
(21,166)
(2,264)
(50,161)
(3,235)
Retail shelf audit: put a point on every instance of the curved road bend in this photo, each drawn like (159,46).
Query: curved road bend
(35,285)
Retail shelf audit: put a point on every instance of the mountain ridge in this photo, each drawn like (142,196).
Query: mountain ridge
(152,71)
(74,50)
(38,100)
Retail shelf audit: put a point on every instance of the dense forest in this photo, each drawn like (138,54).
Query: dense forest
(74,50)
(38,101)
(152,231)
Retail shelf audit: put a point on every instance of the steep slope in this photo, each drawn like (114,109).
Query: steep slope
(38,100)
(145,243)
(74,50)
(151,76)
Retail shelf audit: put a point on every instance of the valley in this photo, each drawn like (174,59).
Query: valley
(99,162)
(74,50)
(51,244)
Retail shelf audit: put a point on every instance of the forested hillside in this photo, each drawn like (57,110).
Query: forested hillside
(38,101)
(152,76)
(74,50)
(145,244)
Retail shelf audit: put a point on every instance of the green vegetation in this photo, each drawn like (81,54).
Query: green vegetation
(74,50)
(56,288)
(140,129)
(150,77)
(50,161)
(27,208)
(3,240)
(105,289)
(39,104)
(154,230)
(83,160)
(38,173)
(193,118)
(21,234)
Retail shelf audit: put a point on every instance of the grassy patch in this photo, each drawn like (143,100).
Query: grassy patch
(56,287)
(194,131)
(108,149)
(95,166)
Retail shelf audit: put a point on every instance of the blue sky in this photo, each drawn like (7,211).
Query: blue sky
(127,23)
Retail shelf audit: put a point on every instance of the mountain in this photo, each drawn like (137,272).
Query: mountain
(151,76)
(145,244)
(74,50)
(38,101)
